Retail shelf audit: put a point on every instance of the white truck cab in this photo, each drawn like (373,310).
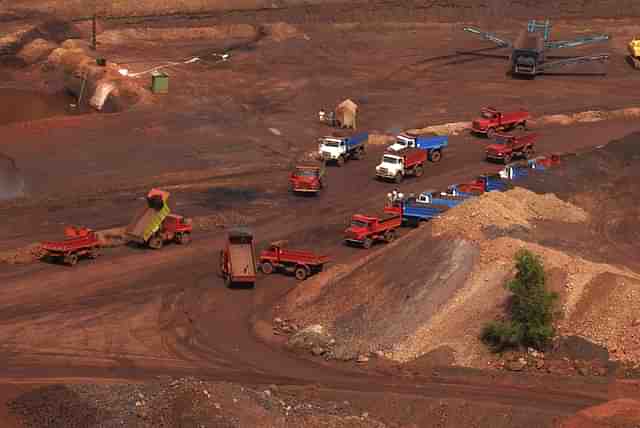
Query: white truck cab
(390,166)
(331,148)
(424,198)
(402,142)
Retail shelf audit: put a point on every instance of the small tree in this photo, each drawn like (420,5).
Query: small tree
(531,308)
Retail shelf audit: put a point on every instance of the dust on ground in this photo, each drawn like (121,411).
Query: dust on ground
(180,402)
(616,413)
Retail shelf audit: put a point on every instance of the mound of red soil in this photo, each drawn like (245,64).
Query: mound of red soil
(623,413)
(389,297)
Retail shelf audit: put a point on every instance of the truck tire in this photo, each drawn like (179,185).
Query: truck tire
(507,159)
(491,132)
(156,242)
(389,235)
(398,178)
(435,156)
(94,253)
(71,259)
(183,238)
(301,273)
(340,161)
(522,125)
(419,171)
(266,268)
(529,152)
(367,243)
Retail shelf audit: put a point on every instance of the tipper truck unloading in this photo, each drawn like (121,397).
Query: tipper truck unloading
(154,225)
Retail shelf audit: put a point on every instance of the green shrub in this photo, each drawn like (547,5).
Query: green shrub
(530,310)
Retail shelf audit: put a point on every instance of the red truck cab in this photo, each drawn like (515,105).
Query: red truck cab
(365,230)
(307,179)
(493,120)
(508,147)
(177,228)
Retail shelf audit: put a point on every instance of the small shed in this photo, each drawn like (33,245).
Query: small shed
(346,114)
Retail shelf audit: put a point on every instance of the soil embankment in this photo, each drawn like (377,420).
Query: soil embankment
(438,285)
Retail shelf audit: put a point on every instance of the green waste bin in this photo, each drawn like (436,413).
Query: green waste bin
(159,82)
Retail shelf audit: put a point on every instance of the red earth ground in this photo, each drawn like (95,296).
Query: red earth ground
(136,315)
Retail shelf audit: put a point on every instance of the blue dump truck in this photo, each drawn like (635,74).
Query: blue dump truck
(411,209)
(341,149)
(514,172)
(433,144)
(440,198)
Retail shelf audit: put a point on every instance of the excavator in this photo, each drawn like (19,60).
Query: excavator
(528,56)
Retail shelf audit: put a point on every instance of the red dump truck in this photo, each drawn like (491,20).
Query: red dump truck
(508,147)
(397,165)
(237,260)
(302,263)
(308,178)
(154,224)
(78,242)
(493,120)
(365,230)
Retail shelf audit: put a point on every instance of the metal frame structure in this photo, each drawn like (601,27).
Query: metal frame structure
(528,51)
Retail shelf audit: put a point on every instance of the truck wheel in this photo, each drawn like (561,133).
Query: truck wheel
(435,156)
(227,281)
(94,253)
(368,242)
(155,242)
(183,238)
(340,161)
(529,152)
(301,273)
(266,268)
(419,171)
(507,159)
(522,125)
(389,235)
(491,132)
(71,259)
(398,178)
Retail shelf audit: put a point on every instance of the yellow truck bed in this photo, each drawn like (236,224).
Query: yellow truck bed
(634,48)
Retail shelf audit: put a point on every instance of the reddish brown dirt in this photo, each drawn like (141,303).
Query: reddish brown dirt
(138,314)
(618,413)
